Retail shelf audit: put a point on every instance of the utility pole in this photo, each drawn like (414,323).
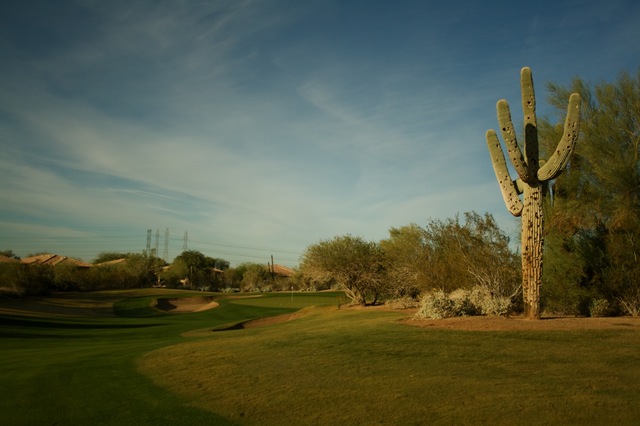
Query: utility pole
(273,270)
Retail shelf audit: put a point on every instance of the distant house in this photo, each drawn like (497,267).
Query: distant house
(281,271)
(6,259)
(112,262)
(55,260)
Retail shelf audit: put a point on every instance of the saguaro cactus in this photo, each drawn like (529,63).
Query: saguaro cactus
(533,177)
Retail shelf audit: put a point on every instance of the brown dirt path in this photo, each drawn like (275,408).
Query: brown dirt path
(519,323)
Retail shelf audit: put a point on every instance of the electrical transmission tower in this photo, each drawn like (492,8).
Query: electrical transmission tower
(166,245)
(184,241)
(148,252)
(157,241)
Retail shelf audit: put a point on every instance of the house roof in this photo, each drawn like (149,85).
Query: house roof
(6,259)
(283,271)
(54,260)
(112,262)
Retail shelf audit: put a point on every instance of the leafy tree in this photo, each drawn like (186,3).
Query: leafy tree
(195,266)
(407,252)
(356,265)
(218,263)
(594,214)
(25,280)
(178,270)
(449,255)
(193,259)
(255,277)
(9,253)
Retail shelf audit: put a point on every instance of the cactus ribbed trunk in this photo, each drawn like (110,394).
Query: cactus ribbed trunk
(532,179)
(532,243)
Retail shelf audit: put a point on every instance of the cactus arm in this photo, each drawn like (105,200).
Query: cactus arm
(507,186)
(560,157)
(509,136)
(530,123)
(519,185)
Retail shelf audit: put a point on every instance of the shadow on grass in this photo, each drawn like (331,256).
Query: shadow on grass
(21,327)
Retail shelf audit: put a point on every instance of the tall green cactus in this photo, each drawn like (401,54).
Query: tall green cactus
(533,177)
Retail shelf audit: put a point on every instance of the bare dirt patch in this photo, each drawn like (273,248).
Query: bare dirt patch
(181,305)
(521,324)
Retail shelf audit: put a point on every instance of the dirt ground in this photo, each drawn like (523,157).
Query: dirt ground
(486,323)
(519,323)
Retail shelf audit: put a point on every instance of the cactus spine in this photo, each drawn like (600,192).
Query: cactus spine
(532,179)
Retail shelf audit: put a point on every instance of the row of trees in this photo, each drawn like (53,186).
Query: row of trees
(112,270)
(445,255)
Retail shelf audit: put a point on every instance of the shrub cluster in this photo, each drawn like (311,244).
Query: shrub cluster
(462,302)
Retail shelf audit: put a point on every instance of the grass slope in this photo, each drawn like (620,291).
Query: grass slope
(323,366)
(364,367)
(61,369)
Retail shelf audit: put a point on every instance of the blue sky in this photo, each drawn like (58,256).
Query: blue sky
(261,127)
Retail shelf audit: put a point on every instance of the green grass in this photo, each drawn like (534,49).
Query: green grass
(82,370)
(325,366)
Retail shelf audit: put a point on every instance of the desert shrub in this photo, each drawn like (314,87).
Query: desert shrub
(629,301)
(599,308)
(436,305)
(26,280)
(462,302)
(488,302)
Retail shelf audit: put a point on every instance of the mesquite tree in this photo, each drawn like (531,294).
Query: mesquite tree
(533,178)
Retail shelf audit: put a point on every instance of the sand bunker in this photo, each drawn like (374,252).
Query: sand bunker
(181,305)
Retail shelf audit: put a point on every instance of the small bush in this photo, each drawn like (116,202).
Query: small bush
(436,305)
(461,302)
(599,308)
(489,303)
(26,280)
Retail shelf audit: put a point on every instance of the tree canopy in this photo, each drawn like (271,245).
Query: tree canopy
(350,262)
(594,210)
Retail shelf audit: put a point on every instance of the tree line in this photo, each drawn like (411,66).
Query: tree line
(114,270)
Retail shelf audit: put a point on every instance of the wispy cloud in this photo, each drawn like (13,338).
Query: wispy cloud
(268,124)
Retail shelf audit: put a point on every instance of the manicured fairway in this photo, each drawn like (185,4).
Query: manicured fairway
(70,370)
(324,365)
